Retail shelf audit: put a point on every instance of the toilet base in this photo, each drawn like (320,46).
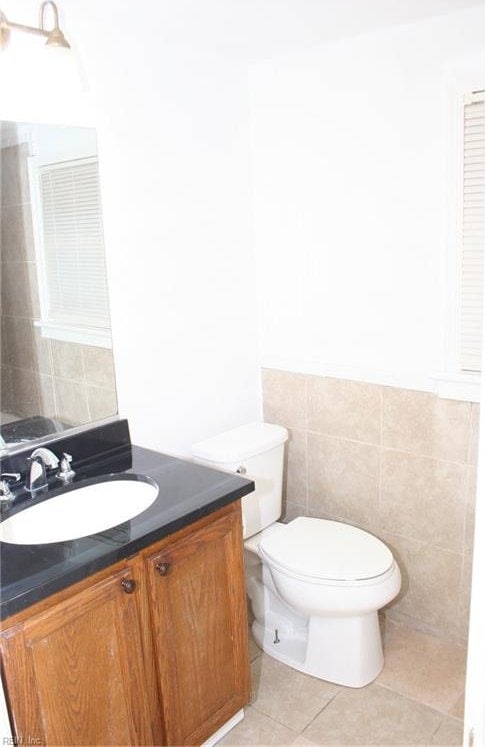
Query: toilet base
(343,650)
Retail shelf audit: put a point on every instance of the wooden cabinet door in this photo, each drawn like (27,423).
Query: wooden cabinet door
(199,617)
(74,673)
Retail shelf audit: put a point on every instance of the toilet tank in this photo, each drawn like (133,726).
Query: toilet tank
(255,450)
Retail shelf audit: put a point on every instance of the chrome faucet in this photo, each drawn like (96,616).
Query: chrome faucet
(40,461)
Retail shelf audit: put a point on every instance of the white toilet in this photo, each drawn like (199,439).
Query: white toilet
(315,585)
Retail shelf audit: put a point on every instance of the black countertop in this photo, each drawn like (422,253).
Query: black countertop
(187,491)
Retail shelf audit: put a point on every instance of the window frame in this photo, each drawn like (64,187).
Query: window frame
(49,328)
(452,382)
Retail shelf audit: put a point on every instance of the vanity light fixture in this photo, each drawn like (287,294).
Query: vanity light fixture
(54,37)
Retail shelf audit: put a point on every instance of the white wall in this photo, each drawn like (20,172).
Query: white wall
(349,157)
(348,167)
(173,148)
(180,272)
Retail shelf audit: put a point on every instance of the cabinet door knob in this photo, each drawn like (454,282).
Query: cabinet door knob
(128,585)
(163,568)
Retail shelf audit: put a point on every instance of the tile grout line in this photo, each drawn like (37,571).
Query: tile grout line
(272,718)
(307,486)
(380,529)
(442,722)
(468,481)
(470,423)
(443,714)
(407,621)
(301,733)
(419,702)
(54,389)
(279,723)
(307,477)
(464,548)
(381,454)
(455,554)
(388,448)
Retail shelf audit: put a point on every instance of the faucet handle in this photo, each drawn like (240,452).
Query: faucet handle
(66,473)
(5,479)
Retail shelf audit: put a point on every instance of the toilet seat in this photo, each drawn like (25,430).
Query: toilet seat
(327,552)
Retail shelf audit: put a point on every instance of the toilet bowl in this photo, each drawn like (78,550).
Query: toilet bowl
(315,585)
(335,577)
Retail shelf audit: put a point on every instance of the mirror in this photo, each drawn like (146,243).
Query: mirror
(57,364)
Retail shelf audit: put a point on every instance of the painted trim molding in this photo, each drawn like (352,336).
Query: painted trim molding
(225,728)
(462,386)
(459,386)
(96,336)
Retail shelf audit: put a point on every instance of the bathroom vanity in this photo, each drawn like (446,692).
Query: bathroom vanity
(136,635)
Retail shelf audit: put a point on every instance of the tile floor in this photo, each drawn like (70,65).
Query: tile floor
(416,700)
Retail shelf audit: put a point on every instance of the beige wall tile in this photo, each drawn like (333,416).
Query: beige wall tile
(72,401)
(6,391)
(33,287)
(373,715)
(18,343)
(67,359)
(16,233)
(24,347)
(423,668)
(288,696)
(431,582)
(425,424)
(47,397)
(16,298)
(449,635)
(465,594)
(347,409)
(25,388)
(8,356)
(99,366)
(15,178)
(458,709)
(366,526)
(429,502)
(474,432)
(284,398)
(423,498)
(295,483)
(3,340)
(43,353)
(343,479)
(471,492)
(292,511)
(102,402)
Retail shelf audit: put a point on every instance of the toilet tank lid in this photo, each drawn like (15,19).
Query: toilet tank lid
(240,443)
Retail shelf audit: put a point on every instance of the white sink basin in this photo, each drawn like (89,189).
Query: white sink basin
(79,512)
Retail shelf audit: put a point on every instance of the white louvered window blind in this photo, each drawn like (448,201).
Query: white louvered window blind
(472,232)
(73,245)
